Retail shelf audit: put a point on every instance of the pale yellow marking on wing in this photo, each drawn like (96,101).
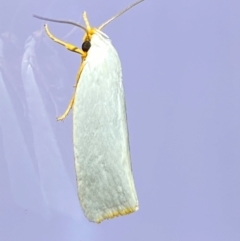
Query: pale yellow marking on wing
(117,213)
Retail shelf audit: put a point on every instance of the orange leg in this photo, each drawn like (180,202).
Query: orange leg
(70,106)
(75,49)
(68,46)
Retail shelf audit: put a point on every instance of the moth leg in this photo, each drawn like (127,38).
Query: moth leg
(62,117)
(79,72)
(68,46)
(75,49)
(70,106)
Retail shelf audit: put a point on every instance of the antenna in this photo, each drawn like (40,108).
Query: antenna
(60,21)
(119,14)
(86,21)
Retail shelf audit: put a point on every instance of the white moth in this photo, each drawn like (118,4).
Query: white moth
(100,136)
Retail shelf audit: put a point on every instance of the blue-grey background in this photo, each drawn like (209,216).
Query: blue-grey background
(181,69)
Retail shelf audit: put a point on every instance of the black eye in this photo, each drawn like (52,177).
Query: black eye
(86,46)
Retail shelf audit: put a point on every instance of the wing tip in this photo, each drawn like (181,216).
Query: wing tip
(115,213)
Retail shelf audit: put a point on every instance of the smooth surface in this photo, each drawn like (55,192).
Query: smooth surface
(102,157)
(181,72)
